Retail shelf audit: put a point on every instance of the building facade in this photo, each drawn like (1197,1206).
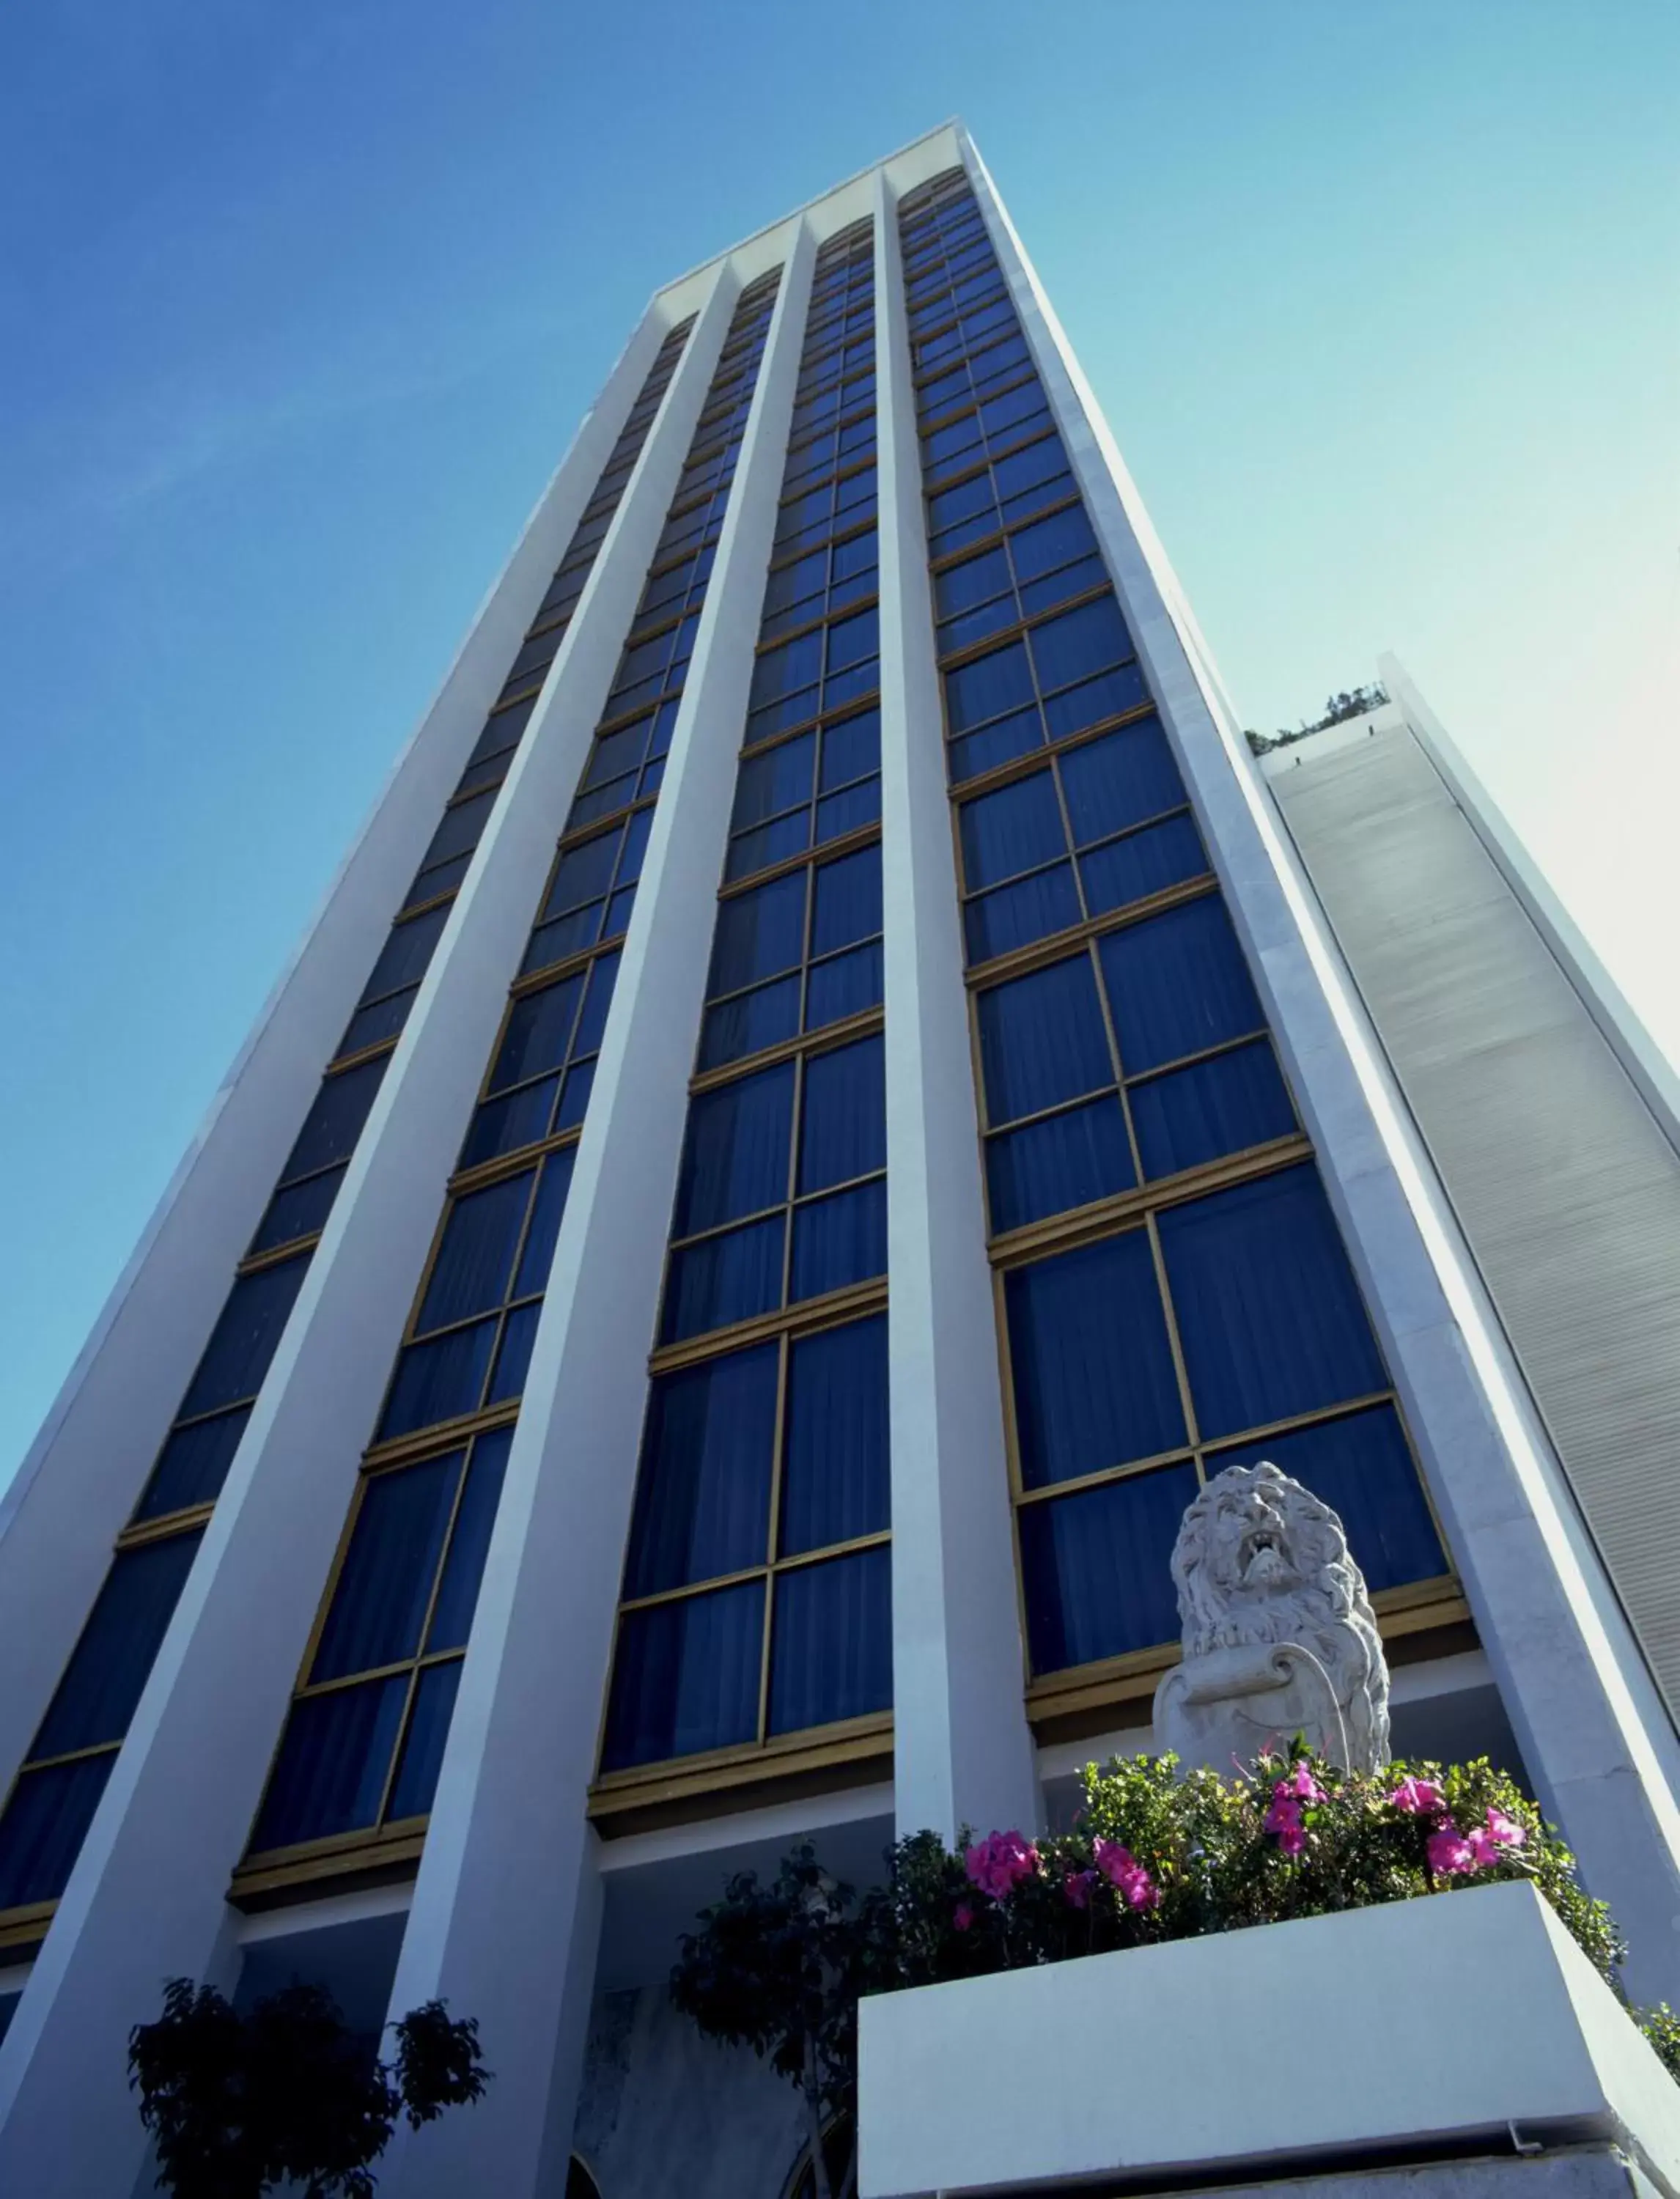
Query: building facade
(829,1095)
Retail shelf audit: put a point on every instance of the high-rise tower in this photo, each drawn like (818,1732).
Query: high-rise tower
(824,1102)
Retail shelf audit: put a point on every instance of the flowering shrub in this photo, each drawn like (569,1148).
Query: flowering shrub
(1154,1856)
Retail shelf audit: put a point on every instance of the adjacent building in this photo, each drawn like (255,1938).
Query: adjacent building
(832,1091)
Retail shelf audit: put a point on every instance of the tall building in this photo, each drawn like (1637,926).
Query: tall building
(831,1093)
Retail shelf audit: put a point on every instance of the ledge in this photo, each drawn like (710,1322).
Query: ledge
(1451,2024)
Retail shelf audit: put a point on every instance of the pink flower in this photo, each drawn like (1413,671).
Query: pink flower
(1076,1885)
(1492,1840)
(963,1916)
(1482,1847)
(999,1863)
(1450,1855)
(1292,1838)
(1301,1784)
(1126,1874)
(1112,1860)
(1138,1890)
(1418,1798)
(1505,1830)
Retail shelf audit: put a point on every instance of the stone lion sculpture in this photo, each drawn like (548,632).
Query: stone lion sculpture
(1278,1634)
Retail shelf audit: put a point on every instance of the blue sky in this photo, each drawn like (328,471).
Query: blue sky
(304,305)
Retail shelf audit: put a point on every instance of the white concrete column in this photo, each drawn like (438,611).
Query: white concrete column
(82,1477)
(506,1906)
(962,1751)
(146,1899)
(1593,1734)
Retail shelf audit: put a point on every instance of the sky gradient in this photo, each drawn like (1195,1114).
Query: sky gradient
(1380,300)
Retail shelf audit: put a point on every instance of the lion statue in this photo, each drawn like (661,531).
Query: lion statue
(1278,1634)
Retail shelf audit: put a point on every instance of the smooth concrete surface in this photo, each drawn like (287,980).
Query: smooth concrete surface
(1456,2018)
(963,1752)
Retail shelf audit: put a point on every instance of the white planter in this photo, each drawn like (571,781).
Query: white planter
(1465,2017)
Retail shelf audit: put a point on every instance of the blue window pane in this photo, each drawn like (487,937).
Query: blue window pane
(193,1464)
(1111,694)
(834,1480)
(703,1493)
(851,749)
(1061,587)
(1048,543)
(299,1210)
(1014,830)
(1094,1376)
(961,587)
(575,1097)
(593,1023)
(1064,1161)
(549,1205)
(470,1542)
(1177,984)
(368,1026)
(584,873)
(385,1582)
(637,831)
(779,779)
(766,844)
(735,1157)
(781,672)
(848,901)
(851,640)
(438,1380)
(724,1279)
(330,1772)
(1361,1468)
(539,1030)
(95,1699)
(566,935)
(245,1337)
(848,811)
(988,687)
(617,918)
(46,1822)
(971,626)
(999,743)
(839,1241)
(416,1782)
(1216,1107)
(513,1360)
(844,985)
(1269,1313)
(1119,781)
(758,935)
(474,1260)
(685,1677)
(1080,642)
(1144,862)
(1012,916)
(830,1652)
(334,1120)
(1094,1568)
(1042,1041)
(844,1117)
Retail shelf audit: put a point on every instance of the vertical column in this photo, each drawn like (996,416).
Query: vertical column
(145,1901)
(962,1750)
(1593,1734)
(80,1480)
(506,1907)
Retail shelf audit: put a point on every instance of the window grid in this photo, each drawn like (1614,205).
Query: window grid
(776,1566)
(949,274)
(459,1375)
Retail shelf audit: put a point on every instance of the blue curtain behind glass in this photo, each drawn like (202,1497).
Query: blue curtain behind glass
(46,1822)
(835,1478)
(416,1782)
(844,986)
(331,1771)
(437,1380)
(839,1241)
(537,1255)
(1362,1468)
(1065,1161)
(245,1337)
(1093,1369)
(193,1465)
(95,1699)
(724,1279)
(758,934)
(539,1030)
(1269,1313)
(1119,781)
(702,1495)
(1014,830)
(476,1259)
(1215,1107)
(1079,642)
(1094,1568)
(474,1517)
(848,900)
(1143,862)
(735,1160)
(831,1654)
(989,686)
(1042,1041)
(685,1677)
(1014,916)
(1177,983)
(385,1582)
(842,1130)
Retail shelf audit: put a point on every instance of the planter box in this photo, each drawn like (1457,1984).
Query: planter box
(1450,2022)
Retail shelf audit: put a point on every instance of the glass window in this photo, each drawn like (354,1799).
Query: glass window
(95,1699)
(245,1337)
(1177,984)
(1095,1568)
